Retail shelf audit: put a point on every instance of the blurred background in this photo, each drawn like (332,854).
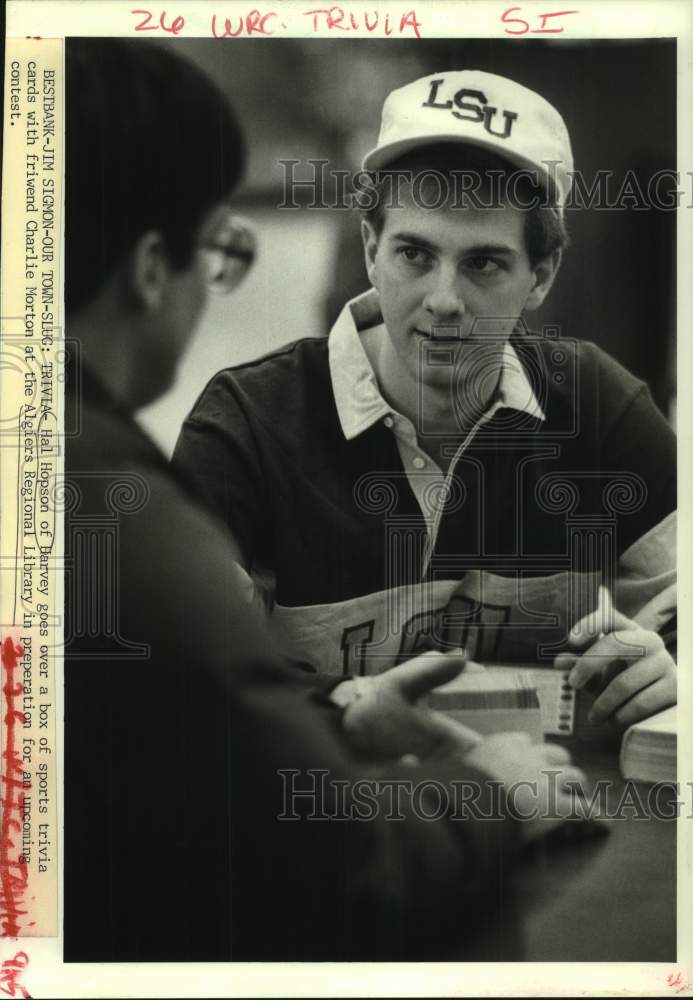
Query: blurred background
(321,99)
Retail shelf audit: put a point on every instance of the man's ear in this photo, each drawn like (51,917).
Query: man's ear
(147,272)
(544,275)
(370,248)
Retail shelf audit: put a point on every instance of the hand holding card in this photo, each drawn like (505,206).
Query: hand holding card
(627,668)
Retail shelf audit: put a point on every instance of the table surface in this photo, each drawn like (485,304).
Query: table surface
(609,898)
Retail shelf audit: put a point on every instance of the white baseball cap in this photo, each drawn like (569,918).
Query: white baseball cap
(481,109)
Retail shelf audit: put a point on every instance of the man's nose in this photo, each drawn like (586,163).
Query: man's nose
(444,299)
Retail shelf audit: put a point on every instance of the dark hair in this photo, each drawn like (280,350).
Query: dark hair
(493,181)
(151,143)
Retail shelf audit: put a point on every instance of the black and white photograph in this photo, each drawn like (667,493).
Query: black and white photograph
(369,566)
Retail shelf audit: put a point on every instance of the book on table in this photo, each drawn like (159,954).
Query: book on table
(648,748)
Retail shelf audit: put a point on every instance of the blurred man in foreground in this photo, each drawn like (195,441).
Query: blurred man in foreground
(187,733)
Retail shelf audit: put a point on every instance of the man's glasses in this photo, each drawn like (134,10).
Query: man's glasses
(228,255)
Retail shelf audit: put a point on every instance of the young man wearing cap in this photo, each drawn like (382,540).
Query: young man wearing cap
(431,474)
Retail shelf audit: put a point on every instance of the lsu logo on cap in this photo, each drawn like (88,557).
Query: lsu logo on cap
(472,106)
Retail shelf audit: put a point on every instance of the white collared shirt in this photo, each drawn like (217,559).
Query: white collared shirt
(360,404)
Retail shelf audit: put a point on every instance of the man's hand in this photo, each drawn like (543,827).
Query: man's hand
(536,779)
(629,670)
(385,719)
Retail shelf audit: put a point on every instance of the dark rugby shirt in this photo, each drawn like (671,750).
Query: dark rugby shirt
(567,480)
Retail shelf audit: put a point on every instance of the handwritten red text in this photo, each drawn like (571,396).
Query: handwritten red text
(10,975)
(268,22)
(336,18)
(254,23)
(173,26)
(525,26)
(677,983)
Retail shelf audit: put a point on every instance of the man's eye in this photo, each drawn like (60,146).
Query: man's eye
(413,255)
(482,265)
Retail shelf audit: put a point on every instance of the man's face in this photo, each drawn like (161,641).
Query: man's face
(188,288)
(183,299)
(464,272)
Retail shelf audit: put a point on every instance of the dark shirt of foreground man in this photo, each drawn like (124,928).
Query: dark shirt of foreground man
(173,846)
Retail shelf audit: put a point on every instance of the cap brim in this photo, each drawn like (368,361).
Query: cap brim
(383,156)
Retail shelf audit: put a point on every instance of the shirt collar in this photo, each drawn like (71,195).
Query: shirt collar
(357,395)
